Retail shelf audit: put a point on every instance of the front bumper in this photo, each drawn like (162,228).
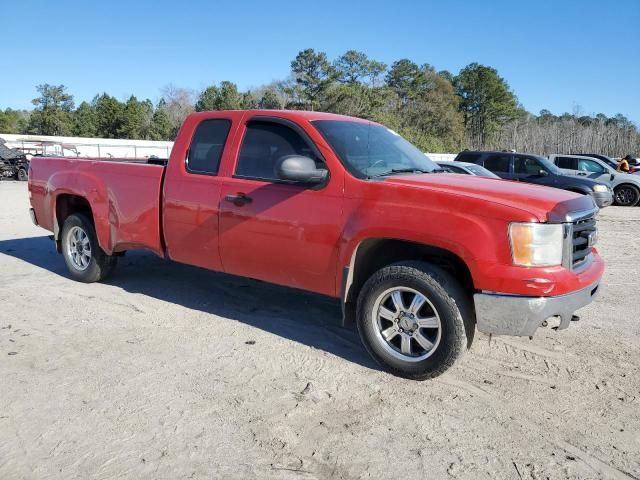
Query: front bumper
(521,315)
(603,199)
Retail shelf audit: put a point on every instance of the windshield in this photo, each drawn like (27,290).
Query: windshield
(481,171)
(370,150)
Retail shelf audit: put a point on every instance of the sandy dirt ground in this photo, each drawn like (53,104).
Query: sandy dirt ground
(168,371)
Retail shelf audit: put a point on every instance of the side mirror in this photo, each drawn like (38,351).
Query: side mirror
(299,169)
(543,172)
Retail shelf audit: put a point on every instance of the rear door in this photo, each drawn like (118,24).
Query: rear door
(470,157)
(566,163)
(498,163)
(281,233)
(192,189)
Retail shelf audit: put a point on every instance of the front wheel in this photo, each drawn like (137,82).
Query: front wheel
(86,261)
(22,175)
(410,319)
(627,195)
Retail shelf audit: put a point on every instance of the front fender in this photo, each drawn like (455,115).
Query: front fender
(475,239)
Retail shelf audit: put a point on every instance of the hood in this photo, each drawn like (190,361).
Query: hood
(545,203)
(566,171)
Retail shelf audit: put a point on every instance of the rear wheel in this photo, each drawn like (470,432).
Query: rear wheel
(627,195)
(22,175)
(410,319)
(84,258)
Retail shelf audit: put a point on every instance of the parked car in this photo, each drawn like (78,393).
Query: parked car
(612,162)
(626,187)
(466,169)
(529,168)
(342,207)
(13,164)
(608,160)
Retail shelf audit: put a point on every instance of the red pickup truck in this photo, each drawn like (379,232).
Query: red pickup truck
(339,206)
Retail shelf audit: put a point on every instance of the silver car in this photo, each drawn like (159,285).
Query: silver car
(466,169)
(626,186)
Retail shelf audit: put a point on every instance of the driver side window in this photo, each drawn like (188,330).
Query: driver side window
(527,166)
(590,166)
(264,144)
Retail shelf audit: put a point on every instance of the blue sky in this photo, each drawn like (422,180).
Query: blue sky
(554,54)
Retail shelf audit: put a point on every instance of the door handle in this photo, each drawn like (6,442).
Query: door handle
(240,199)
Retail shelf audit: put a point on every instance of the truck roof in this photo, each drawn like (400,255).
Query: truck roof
(291,114)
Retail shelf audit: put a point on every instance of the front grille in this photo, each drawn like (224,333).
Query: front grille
(583,230)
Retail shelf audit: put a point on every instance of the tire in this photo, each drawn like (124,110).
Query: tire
(84,258)
(626,195)
(440,320)
(22,175)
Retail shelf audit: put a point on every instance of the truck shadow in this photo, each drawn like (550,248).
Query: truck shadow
(306,318)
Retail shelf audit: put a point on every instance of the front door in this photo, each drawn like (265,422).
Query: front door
(594,170)
(280,233)
(530,170)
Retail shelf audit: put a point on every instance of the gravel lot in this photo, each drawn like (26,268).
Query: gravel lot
(168,371)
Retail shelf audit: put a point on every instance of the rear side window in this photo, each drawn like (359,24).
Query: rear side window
(264,144)
(497,162)
(569,163)
(207,146)
(468,157)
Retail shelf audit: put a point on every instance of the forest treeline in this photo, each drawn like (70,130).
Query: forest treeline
(436,110)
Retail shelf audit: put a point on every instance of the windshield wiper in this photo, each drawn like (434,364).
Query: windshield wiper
(404,170)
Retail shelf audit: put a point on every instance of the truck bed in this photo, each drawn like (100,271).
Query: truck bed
(125,193)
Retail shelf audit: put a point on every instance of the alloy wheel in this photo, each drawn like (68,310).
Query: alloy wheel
(406,323)
(78,248)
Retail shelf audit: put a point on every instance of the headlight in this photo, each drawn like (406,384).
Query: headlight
(600,188)
(536,244)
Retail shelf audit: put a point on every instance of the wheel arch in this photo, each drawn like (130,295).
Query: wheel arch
(627,184)
(67,204)
(372,254)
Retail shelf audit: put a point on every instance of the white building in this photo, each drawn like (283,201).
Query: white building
(87,147)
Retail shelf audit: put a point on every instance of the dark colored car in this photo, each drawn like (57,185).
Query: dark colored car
(13,164)
(524,167)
